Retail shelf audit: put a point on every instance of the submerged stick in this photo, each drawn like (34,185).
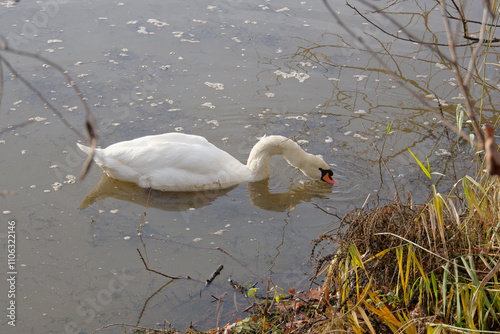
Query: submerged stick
(162,274)
(214,275)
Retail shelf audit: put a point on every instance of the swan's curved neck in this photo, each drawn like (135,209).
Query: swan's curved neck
(258,160)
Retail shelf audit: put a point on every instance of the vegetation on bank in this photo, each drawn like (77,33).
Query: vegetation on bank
(398,268)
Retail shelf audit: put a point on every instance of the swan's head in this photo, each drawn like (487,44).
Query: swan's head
(316,168)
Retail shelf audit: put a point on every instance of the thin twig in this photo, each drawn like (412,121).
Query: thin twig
(396,36)
(165,275)
(120,324)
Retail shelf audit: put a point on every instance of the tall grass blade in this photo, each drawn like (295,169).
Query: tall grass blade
(425,170)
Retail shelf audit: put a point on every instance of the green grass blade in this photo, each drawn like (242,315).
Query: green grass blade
(425,170)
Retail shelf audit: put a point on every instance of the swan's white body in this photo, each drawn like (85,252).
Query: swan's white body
(181,162)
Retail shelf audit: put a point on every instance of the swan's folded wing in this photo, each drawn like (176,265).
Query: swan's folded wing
(167,165)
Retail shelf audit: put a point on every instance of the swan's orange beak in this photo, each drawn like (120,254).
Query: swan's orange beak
(327,176)
(328,179)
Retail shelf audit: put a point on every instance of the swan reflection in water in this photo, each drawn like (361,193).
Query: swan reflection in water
(258,192)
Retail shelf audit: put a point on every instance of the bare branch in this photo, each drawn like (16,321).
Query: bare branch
(90,122)
(165,275)
(463,88)
(374,54)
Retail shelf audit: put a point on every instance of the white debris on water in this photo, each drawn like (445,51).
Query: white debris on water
(208,105)
(328,139)
(357,135)
(270,95)
(216,85)
(70,179)
(56,186)
(281,10)
(37,119)
(442,151)
(360,111)
(440,66)
(158,23)
(459,97)
(213,122)
(360,77)
(114,211)
(298,118)
(293,74)
(142,30)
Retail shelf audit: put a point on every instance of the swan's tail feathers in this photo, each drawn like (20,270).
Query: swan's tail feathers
(84,148)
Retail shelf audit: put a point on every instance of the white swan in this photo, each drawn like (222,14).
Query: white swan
(181,162)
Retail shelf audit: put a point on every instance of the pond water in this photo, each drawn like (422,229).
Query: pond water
(231,71)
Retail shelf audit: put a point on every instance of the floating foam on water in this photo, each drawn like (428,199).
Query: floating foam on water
(142,30)
(298,118)
(37,119)
(216,85)
(208,105)
(442,151)
(293,74)
(157,23)
(360,77)
(357,135)
(189,40)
